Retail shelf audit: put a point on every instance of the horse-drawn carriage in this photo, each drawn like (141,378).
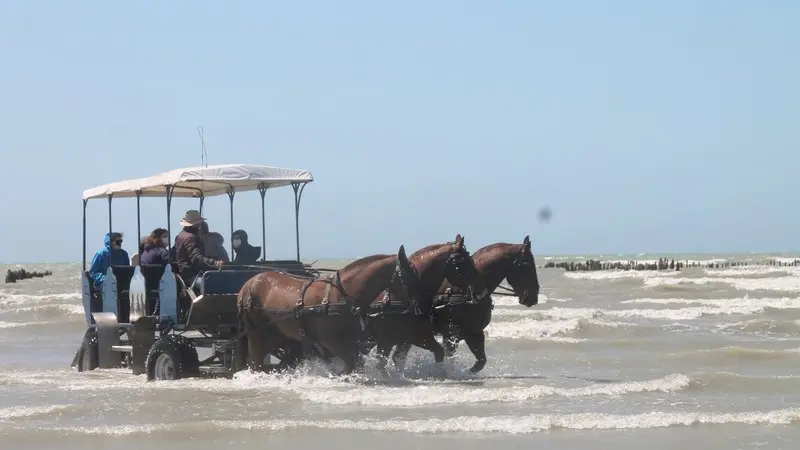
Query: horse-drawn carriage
(146,319)
(143,317)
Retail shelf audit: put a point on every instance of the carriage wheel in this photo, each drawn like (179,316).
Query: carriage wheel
(88,355)
(188,353)
(171,358)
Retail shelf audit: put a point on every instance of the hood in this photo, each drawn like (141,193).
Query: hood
(241,234)
(107,240)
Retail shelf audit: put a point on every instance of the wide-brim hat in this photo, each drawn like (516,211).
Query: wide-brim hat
(192,218)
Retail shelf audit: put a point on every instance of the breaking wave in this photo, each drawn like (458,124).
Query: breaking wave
(506,424)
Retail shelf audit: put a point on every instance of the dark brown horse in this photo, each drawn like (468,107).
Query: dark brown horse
(328,313)
(404,316)
(459,316)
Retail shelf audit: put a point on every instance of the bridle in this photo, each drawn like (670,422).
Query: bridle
(455,259)
(520,263)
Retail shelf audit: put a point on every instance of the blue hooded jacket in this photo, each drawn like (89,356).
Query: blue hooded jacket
(105,258)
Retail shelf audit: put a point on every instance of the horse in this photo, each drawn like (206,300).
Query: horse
(327,313)
(404,315)
(458,316)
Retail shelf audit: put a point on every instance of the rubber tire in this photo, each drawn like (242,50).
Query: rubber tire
(189,354)
(184,357)
(88,355)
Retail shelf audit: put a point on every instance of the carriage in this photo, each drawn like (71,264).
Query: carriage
(143,317)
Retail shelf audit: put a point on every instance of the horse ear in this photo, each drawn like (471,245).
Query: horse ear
(459,240)
(401,255)
(527,241)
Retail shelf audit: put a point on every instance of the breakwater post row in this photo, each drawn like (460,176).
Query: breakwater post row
(12,276)
(662,264)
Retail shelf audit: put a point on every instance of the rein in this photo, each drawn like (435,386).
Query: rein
(509,292)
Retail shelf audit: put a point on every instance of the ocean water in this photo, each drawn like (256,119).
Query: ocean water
(657,360)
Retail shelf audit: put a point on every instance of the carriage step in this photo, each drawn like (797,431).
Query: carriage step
(122,348)
(214,369)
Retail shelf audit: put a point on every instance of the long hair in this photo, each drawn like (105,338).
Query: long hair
(155,237)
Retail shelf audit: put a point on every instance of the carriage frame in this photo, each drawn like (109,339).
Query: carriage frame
(136,319)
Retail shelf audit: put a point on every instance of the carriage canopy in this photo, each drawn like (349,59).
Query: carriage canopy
(203,181)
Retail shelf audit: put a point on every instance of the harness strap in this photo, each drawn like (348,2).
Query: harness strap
(453,299)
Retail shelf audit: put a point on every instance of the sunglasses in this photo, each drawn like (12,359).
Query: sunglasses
(118,242)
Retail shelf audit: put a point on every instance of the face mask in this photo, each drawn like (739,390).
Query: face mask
(237,243)
(165,241)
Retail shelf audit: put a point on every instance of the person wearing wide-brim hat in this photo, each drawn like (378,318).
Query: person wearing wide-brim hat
(190,251)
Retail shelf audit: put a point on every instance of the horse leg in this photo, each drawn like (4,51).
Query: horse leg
(344,347)
(259,344)
(292,356)
(240,362)
(400,354)
(383,351)
(450,338)
(428,342)
(476,341)
(255,351)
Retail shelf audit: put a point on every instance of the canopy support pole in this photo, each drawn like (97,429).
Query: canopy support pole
(138,219)
(170,189)
(262,189)
(84,234)
(231,193)
(202,199)
(298,188)
(109,212)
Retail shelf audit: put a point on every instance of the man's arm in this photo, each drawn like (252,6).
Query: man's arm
(196,256)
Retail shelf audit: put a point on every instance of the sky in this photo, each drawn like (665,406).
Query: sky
(645,126)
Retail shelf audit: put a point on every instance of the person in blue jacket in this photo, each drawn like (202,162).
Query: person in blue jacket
(111,255)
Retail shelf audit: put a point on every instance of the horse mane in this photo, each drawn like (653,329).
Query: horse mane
(364,262)
(485,252)
(428,248)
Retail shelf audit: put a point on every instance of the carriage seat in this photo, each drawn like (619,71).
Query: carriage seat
(226,282)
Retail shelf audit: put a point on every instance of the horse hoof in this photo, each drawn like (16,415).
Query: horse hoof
(477,367)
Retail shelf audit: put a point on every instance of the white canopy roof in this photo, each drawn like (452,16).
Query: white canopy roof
(203,181)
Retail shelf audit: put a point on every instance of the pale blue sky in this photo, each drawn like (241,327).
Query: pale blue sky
(648,127)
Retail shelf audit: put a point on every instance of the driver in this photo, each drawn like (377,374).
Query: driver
(190,252)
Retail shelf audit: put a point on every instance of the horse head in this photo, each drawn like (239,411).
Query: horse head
(450,261)
(523,277)
(418,277)
(460,271)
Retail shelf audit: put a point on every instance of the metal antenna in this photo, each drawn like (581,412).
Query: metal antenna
(203,161)
(203,153)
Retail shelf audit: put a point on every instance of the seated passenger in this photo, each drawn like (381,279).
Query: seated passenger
(111,255)
(190,252)
(213,243)
(155,248)
(245,253)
